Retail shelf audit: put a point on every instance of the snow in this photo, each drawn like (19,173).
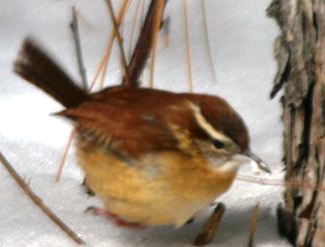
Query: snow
(241,38)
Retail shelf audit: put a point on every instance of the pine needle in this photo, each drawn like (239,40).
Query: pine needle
(134,25)
(120,41)
(187,47)
(155,33)
(207,40)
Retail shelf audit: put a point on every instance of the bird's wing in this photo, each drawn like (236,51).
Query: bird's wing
(127,130)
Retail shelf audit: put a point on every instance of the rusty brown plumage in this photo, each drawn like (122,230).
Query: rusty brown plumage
(36,66)
(135,120)
(154,157)
(139,119)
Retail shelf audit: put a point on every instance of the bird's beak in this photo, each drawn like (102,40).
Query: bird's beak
(258,161)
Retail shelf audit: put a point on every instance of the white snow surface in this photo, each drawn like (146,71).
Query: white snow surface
(241,39)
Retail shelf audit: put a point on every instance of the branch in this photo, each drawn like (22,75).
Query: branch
(76,37)
(38,201)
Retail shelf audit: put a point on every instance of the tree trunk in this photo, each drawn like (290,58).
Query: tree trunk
(300,51)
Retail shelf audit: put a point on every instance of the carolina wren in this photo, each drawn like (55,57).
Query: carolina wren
(153,157)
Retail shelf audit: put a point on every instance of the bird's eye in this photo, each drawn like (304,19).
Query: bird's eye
(218,144)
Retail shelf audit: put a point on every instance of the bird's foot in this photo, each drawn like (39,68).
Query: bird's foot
(116,220)
(87,189)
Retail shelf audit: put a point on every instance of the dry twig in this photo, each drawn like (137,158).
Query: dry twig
(119,18)
(292,183)
(65,154)
(101,70)
(155,34)
(143,46)
(210,227)
(120,41)
(252,227)
(76,37)
(134,24)
(38,201)
(187,47)
(207,41)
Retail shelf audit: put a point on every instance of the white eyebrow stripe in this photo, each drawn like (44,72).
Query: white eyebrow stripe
(204,124)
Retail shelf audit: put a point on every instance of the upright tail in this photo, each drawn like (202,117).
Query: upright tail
(35,66)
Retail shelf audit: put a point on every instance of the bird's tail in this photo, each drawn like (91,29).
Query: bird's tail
(38,68)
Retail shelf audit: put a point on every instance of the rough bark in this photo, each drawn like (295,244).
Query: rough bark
(300,51)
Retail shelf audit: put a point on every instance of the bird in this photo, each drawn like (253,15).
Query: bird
(153,157)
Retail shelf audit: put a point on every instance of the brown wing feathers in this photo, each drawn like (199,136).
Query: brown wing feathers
(100,111)
(35,66)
